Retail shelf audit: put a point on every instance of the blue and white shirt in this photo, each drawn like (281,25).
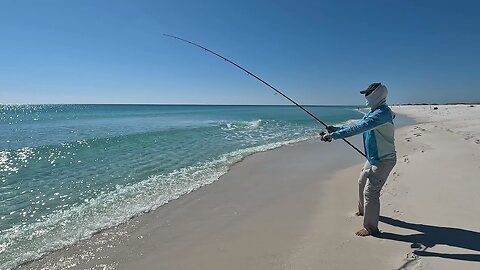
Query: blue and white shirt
(378,134)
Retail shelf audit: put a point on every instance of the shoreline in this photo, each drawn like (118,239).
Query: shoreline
(272,211)
(111,188)
(80,255)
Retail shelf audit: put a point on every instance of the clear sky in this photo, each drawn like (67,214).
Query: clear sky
(317,52)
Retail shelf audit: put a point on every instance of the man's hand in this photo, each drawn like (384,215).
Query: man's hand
(331,129)
(325,137)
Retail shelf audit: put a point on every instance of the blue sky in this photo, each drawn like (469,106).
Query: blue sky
(317,52)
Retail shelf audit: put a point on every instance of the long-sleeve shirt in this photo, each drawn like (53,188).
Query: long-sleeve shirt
(378,134)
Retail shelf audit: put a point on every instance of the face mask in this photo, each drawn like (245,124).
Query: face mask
(377,98)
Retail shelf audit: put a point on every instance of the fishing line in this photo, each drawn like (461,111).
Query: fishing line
(264,82)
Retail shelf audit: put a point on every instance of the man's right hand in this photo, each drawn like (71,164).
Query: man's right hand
(331,129)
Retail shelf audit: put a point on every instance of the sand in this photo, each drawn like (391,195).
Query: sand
(430,204)
(292,208)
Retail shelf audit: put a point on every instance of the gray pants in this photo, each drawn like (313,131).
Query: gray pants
(371,180)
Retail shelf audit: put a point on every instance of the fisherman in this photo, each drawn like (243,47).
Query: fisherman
(378,139)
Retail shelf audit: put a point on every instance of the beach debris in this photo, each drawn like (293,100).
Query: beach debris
(411,262)
(435,108)
(411,256)
(416,245)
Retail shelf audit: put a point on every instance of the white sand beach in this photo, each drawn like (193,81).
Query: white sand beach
(293,208)
(430,203)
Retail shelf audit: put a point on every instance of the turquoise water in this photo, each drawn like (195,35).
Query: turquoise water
(68,171)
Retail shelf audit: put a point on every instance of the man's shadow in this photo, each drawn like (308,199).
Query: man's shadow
(430,236)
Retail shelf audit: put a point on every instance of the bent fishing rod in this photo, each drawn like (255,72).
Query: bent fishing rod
(264,82)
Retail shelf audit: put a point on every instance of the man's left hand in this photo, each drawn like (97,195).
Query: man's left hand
(326,137)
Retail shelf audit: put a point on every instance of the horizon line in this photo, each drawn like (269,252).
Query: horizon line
(180,104)
(218,104)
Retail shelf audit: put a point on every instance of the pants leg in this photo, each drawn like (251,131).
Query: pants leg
(376,178)
(362,180)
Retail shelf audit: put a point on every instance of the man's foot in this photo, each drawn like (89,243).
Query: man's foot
(358,214)
(364,232)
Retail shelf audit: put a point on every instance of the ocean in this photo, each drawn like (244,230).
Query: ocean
(69,171)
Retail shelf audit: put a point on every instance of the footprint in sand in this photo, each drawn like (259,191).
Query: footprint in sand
(477,141)
(408,139)
(395,175)
(417,134)
(468,137)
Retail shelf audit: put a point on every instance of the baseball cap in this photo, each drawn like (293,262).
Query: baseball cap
(370,88)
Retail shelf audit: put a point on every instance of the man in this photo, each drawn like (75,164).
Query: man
(378,139)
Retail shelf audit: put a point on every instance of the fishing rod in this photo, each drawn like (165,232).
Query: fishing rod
(264,82)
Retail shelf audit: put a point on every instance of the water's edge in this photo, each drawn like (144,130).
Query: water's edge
(114,234)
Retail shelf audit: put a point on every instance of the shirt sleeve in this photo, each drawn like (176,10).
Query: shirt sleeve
(373,120)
